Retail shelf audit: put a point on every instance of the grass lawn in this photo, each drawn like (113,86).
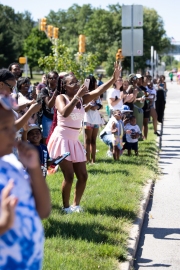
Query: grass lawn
(97,238)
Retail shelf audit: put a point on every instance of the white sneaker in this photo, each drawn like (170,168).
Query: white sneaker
(109,153)
(67,210)
(76,208)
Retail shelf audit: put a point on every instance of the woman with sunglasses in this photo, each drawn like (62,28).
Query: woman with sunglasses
(70,113)
(48,95)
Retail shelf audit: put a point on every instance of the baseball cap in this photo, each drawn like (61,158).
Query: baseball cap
(132,76)
(33,126)
(139,76)
(125,108)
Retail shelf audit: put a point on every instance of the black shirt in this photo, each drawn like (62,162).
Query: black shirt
(48,112)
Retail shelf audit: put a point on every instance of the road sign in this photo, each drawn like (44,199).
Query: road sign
(137,16)
(137,42)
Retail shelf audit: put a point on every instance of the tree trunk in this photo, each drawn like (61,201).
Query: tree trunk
(31,74)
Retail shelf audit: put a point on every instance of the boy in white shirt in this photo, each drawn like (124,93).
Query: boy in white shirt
(132,138)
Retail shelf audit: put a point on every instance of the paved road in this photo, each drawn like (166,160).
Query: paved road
(159,245)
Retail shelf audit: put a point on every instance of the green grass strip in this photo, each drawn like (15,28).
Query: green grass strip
(97,238)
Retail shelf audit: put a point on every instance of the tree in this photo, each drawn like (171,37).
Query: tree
(14,28)
(63,59)
(36,45)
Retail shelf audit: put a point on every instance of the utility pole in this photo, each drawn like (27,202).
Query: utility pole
(152,53)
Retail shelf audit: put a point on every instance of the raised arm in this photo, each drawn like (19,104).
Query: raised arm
(102,88)
(34,108)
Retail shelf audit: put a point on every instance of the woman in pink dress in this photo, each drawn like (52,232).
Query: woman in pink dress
(70,113)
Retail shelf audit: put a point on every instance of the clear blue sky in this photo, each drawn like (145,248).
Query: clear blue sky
(168,10)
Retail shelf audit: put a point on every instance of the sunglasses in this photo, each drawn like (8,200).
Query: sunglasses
(74,83)
(10,86)
(8,103)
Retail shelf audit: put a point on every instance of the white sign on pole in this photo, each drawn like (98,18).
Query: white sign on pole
(137,42)
(137,16)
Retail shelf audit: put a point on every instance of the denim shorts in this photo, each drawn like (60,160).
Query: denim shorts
(46,125)
(90,126)
(107,139)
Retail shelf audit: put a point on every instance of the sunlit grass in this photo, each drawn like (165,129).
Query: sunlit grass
(97,238)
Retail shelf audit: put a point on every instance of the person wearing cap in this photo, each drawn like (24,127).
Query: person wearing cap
(107,134)
(115,96)
(99,80)
(33,135)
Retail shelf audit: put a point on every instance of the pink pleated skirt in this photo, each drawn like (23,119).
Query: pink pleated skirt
(63,140)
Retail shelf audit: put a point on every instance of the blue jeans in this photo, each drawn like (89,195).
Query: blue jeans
(107,139)
(46,124)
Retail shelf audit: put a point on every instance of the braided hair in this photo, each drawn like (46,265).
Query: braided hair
(61,90)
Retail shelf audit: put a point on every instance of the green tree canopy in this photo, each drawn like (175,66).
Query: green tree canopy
(102,29)
(63,59)
(36,45)
(14,28)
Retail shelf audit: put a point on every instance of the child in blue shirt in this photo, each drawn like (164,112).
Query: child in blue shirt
(24,201)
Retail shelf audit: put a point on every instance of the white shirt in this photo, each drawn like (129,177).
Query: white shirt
(113,93)
(134,129)
(93,117)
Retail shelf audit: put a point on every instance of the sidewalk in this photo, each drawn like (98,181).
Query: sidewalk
(159,244)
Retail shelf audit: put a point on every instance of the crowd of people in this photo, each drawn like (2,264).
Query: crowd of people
(40,123)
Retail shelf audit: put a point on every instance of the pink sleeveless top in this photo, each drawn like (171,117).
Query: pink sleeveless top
(74,119)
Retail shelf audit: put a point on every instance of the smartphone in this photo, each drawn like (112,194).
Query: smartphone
(61,158)
(86,83)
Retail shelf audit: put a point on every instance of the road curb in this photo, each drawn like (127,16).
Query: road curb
(136,228)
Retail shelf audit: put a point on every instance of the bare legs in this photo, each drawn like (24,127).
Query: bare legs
(145,127)
(153,113)
(116,152)
(68,168)
(90,144)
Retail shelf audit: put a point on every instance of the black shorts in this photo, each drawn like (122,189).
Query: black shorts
(133,146)
(146,113)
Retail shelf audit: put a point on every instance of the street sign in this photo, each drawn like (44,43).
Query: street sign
(137,16)
(137,42)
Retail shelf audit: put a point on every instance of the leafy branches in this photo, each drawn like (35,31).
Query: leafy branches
(62,58)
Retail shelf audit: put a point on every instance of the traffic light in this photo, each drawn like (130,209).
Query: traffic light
(50,31)
(22,60)
(119,56)
(55,32)
(82,43)
(43,24)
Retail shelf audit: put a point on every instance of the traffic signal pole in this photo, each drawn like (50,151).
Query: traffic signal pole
(132,42)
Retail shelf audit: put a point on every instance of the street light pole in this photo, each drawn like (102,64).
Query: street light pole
(155,62)
(152,53)
(132,42)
